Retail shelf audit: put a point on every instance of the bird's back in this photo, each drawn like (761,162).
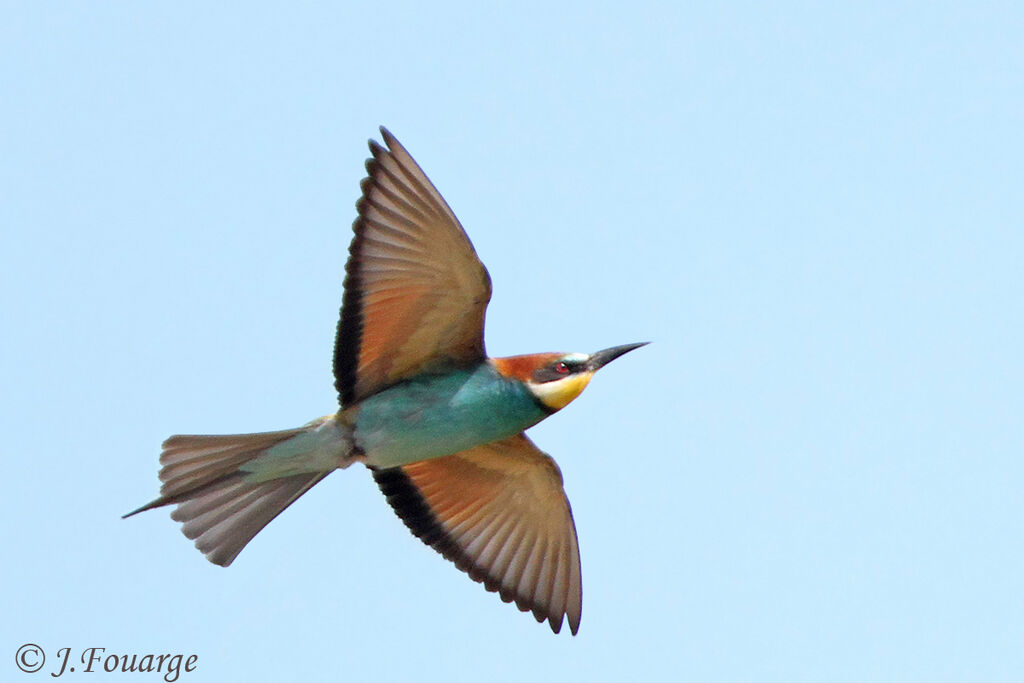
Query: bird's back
(443,413)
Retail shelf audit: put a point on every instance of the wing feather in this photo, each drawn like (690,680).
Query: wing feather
(499,512)
(415,291)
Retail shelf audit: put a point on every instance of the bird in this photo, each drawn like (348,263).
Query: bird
(439,424)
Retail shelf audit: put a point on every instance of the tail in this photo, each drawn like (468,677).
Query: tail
(227,488)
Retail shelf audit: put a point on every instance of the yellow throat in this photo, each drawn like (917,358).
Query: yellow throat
(558,394)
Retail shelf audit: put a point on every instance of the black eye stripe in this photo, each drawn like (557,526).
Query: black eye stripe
(553,372)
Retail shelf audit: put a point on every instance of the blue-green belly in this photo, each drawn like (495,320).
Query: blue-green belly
(441,414)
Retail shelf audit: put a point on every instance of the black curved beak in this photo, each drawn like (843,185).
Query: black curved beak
(602,358)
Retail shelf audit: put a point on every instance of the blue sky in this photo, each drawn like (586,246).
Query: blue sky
(812,474)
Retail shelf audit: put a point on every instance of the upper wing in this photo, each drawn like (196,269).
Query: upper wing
(415,291)
(499,512)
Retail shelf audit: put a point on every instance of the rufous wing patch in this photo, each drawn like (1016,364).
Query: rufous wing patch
(499,512)
(415,291)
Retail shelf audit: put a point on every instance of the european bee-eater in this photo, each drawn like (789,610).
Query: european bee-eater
(438,423)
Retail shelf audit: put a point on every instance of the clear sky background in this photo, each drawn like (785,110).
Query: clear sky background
(814,473)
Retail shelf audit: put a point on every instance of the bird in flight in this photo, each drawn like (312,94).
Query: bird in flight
(439,424)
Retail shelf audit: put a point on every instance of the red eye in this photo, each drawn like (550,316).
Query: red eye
(562,369)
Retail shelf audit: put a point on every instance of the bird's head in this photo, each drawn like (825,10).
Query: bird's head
(557,378)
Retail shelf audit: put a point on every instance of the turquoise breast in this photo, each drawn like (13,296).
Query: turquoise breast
(441,414)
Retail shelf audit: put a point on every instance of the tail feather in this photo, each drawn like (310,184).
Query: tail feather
(227,514)
(220,506)
(190,461)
